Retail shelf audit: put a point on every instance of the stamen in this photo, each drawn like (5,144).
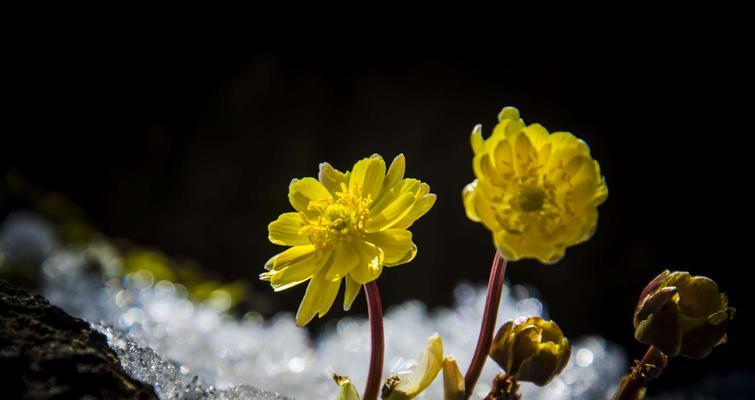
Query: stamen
(339,219)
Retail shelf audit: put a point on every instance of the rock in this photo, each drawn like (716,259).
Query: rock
(46,353)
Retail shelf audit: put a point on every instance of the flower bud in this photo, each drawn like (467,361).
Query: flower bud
(453,380)
(682,314)
(531,349)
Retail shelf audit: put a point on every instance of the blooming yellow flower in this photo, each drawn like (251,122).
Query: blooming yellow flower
(537,192)
(347,226)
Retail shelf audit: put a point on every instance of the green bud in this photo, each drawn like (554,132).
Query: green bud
(682,314)
(531,349)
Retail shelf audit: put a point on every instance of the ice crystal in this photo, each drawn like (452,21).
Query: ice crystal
(190,350)
(277,356)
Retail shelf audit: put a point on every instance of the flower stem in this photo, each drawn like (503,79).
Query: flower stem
(651,366)
(375,312)
(505,387)
(489,316)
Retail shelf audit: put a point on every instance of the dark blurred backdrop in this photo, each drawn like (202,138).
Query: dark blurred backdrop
(189,144)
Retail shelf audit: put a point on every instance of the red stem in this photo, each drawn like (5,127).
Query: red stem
(375,312)
(637,378)
(489,316)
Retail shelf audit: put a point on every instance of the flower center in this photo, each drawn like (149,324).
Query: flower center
(531,198)
(532,206)
(339,219)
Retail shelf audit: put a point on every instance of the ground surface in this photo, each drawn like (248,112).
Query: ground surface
(45,353)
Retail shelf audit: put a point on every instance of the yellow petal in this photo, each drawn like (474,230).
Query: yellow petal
(482,165)
(392,214)
(404,186)
(350,293)
(585,195)
(484,209)
(294,274)
(396,244)
(544,153)
(601,194)
(409,185)
(565,146)
(345,258)
(453,380)
(370,264)
(348,391)
(503,154)
(518,246)
(537,134)
(566,140)
(286,230)
(332,178)
(506,243)
(302,191)
(422,374)
(367,177)
(478,144)
(307,309)
(327,296)
(579,167)
(392,184)
(317,299)
(395,172)
(509,113)
(468,195)
(420,208)
(288,257)
(512,127)
(526,156)
(421,190)
(506,129)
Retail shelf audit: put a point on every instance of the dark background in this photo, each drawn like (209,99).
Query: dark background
(189,143)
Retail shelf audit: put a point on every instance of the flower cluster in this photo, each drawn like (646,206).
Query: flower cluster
(537,193)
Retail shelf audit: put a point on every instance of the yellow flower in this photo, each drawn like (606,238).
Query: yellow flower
(537,192)
(347,226)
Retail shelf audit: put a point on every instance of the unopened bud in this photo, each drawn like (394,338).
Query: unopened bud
(453,380)
(682,314)
(531,349)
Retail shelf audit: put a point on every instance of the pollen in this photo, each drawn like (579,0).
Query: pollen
(341,218)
